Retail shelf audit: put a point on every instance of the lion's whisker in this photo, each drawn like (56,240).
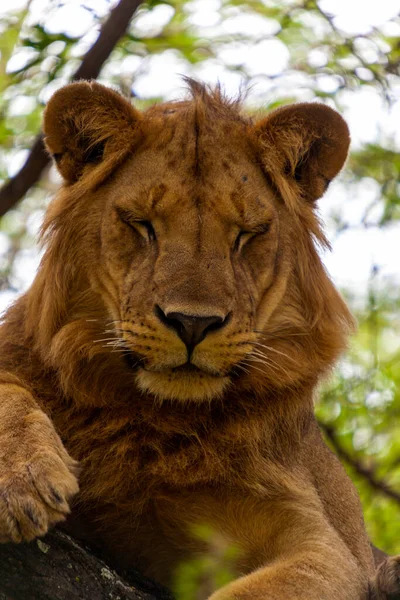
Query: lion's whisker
(240,366)
(115,330)
(263,361)
(264,357)
(117,342)
(274,350)
(268,363)
(263,371)
(281,335)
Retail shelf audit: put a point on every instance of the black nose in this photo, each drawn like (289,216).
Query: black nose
(191,329)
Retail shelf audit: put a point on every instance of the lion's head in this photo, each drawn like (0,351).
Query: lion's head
(184,238)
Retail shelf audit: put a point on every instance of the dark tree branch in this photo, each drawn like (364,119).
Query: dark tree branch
(368,473)
(57,568)
(113,29)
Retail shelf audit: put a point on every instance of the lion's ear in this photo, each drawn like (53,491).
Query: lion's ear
(86,122)
(303,147)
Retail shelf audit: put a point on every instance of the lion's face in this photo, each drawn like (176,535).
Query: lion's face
(192,244)
(189,260)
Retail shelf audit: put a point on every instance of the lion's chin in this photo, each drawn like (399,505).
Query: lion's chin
(185,386)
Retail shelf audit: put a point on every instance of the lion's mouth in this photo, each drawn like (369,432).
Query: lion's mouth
(135,363)
(185,369)
(183,382)
(132,360)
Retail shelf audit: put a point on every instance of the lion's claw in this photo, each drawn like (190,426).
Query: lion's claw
(37,481)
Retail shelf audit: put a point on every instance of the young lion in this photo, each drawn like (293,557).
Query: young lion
(172,342)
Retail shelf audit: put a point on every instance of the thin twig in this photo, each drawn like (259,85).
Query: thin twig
(38,159)
(367,473)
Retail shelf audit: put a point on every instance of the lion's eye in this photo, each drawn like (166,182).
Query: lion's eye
(245,236)
(145,228)
(242,238)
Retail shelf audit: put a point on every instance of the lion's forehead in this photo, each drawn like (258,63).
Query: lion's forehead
(197,141)
(188,170)
(160,183)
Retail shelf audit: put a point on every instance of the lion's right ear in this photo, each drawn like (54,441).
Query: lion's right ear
(303,147)
(84,123)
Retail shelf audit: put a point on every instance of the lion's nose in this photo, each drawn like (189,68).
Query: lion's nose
(190,328)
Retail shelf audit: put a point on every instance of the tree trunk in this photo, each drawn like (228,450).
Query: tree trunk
(58,568)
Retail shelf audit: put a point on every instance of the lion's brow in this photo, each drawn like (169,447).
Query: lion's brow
(156,194)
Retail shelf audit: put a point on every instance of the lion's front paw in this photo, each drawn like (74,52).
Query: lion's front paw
(37,480)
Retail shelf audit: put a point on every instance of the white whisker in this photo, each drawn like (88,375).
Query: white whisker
(264,362)
(266,358)
(263,371)
(274,350)
(240,366)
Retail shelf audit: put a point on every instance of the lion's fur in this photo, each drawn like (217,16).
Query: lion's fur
(240,452)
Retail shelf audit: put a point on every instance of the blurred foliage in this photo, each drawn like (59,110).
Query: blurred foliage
(210,570)
(383,165)
(362,403)
(283,51)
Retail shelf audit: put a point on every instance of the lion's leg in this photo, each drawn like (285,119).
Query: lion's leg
(37,476)
(310,562)
(310,574)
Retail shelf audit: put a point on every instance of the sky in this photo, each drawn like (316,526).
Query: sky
(355,251)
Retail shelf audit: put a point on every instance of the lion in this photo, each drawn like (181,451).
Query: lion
(170,346)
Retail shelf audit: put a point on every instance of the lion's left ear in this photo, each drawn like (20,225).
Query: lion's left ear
(303,147)
(86,123)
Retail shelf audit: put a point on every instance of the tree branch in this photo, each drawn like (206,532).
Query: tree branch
(58,568)
(367,473)
(112,30)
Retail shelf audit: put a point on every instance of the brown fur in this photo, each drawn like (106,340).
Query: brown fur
(233,442)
